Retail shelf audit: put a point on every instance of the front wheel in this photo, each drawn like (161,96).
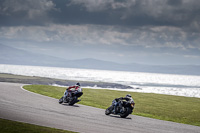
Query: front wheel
(108,110)
(61,100)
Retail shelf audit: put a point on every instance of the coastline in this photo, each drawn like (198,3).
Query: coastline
(7,77)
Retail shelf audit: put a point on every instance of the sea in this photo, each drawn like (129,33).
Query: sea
(170,84)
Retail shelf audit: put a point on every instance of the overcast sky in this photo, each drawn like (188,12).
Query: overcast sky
(123,31)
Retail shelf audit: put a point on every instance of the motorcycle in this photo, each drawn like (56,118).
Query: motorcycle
(123,109)
(71,100)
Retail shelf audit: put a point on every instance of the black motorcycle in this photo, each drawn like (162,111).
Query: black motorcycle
(71,100)
(123,109)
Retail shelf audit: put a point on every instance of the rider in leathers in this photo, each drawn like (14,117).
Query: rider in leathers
(117,103)
(71,89)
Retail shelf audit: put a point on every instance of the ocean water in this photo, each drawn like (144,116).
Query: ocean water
(180,85)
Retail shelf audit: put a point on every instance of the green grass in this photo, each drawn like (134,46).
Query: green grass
(7,126)
(165,107)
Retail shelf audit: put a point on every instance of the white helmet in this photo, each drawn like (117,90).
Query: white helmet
(128,95)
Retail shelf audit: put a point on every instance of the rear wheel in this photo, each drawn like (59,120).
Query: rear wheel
(126,113)
(73,101)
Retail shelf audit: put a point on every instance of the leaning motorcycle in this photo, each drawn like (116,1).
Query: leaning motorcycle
(124,109)
(73,99)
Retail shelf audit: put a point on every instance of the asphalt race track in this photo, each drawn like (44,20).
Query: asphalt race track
(20,105)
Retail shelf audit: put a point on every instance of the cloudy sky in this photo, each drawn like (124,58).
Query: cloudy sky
(123,31)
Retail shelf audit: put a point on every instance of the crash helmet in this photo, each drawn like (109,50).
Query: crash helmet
(128,96)
(78,84)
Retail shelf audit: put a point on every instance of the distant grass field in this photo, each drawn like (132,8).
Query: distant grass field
(165,107)
(7,126)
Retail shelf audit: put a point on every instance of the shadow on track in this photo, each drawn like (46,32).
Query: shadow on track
(65,104)
(115,116)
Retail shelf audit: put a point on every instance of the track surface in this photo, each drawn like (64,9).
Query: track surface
(20,105)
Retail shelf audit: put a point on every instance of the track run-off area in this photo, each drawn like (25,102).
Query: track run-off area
(20,105)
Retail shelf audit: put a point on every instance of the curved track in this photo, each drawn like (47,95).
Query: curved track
(20,105)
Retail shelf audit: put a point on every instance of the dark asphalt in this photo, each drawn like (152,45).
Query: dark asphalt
(20,105)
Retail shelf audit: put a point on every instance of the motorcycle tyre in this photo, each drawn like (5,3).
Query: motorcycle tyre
(71,103)
(60,100)
(125,114)
(108,110)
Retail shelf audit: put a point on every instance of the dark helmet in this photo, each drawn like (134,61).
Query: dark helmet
(78,84)
(128,95)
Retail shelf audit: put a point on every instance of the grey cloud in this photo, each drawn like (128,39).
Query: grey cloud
(102,5)
(145,12)
(147,37)
(178,13)
(174,2)
(91,5)
(27,12)
(10,7)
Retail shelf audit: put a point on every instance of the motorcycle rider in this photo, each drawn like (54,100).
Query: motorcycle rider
(71,89)
(117,103)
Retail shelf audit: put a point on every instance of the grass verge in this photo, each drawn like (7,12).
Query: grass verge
(165,107)
(7,126)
